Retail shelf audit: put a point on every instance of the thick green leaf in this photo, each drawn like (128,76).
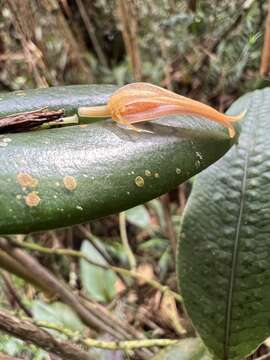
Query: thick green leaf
(59,177)
(186,349)
(223,260)
(62,97)
(99,283)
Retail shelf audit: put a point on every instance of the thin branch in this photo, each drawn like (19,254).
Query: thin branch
(122,329)
(29,120)
(27,331)
(232,25)
(108,345)
(91,32)
(11,265)
(155,284)
(86,232)
(125,329)
(88,314)
(104,254)
(24,26)
(124,238)
(128,19)
(265,59)
(167,60)
(62,290)
(74,253)
(13,293)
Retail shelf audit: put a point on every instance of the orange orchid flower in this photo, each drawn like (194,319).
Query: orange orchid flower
(138,102)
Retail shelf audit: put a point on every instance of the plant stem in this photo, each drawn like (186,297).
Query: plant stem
(128,19)
(108,345)
(13,293)
(51,282)
(28,331)
(124,238)
(125,272)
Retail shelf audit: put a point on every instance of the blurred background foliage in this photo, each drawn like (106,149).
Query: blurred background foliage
(206,49)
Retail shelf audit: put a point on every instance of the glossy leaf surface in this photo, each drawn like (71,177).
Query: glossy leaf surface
(59,177)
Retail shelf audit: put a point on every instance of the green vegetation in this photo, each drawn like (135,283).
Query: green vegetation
(184,265)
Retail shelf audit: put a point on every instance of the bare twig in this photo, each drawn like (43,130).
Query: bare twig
(265,59)
(108,345)
(29,120)
(88,314)
(128,19)
(93,241)
(13,293)
(124,238)
(27,331)
(75,48)
(124,272)
(11,265)
(62,290)
(91,32)
(231,26)
(127,331)
(192,5)
(86,232)
(24,25)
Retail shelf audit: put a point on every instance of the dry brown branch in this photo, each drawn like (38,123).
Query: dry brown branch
(15,298)
(128,20)
(11,265)
(74,47)
(192,5)
(29,332)
(29,120)
(88,314)
(167,61)
(24,26)
(119,271)
(265,59)
(212,48)
(48,279)
(91,32)
(26,15)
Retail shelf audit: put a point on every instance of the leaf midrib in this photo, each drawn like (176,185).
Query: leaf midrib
(249,150)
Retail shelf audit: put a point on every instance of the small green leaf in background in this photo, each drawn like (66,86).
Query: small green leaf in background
(224,252)
(57,313)
(158,245)
(186,349)
(99,283)
(139,216)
